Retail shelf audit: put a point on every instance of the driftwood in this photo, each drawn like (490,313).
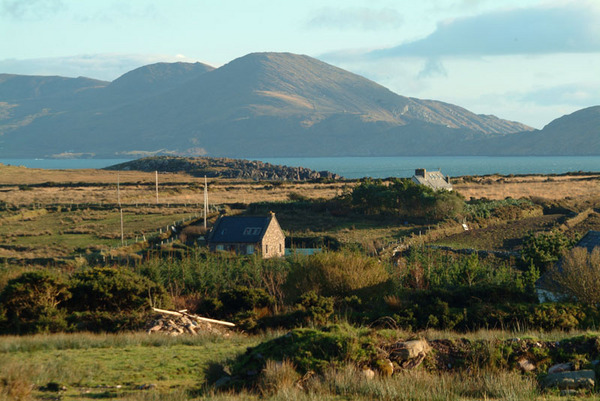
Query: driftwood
(175,323)
(195,317)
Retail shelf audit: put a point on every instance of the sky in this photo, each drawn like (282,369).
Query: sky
(530,61)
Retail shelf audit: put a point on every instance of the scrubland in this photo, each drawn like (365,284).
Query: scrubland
(397,264)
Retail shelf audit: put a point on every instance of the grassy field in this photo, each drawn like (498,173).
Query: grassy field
(67,213)
(151,367)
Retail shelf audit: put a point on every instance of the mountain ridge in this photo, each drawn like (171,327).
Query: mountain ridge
(258,105)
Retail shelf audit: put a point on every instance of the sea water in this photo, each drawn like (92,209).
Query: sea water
(382,167)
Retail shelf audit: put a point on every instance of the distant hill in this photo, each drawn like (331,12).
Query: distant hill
(223,167)
(575,134)
(259,105)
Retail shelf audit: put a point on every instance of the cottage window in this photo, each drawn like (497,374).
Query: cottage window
(266,249)
(252,230)
(249,249)
(220,247)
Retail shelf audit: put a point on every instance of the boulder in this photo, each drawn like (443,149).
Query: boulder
(368,373)
(410,354)
(580,379)
(412,349)
(560,367)
(526,365)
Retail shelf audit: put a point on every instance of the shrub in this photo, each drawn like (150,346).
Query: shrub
(244,299)
(543,249)
(316,309)
(31,302)
(114,290)
(578,276)
(403,197)
(308,349)
(336,274)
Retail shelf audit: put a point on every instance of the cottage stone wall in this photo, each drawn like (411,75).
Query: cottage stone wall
(273,243)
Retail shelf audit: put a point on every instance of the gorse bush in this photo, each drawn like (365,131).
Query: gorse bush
(336,274)
(404,198)
(544,249)
(114,290)
(32,300)
(96,299)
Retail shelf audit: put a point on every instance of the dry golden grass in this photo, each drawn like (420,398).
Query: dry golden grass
(100,186)
(555,187)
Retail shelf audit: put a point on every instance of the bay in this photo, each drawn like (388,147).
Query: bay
(382,167)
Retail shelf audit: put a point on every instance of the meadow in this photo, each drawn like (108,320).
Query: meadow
(391,270)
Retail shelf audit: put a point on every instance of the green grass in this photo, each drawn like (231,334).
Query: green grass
(64,233)
(118,364)
(506,236)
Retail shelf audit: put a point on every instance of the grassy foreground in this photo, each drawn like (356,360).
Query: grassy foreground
(142,367)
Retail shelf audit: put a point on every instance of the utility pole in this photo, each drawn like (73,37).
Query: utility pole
(205,201)
(118,191)
(156,187)
(122,237)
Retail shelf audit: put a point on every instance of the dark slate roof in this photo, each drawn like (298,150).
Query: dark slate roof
(433,179)
(590,240)
(236,229)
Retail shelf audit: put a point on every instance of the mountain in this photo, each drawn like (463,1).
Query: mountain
(259,105)
(576,134)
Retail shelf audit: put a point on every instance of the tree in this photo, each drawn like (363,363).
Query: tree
(578,276)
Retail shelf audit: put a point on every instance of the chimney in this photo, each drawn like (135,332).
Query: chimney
(421,172)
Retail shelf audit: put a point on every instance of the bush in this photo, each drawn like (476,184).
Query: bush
(31,302)
(114,290)
(337,274)
(316,309)
(403,197)
(543,249)
(578,276)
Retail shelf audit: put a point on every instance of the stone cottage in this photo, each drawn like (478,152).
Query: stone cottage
(432,179)
(246,235)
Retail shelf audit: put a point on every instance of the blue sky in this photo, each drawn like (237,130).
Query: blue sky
(529,60)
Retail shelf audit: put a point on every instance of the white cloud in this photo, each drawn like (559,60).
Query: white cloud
(22,9)
(355,18)
(566,28)
(106,67)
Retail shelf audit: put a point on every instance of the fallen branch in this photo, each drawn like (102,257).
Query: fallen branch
(202,319)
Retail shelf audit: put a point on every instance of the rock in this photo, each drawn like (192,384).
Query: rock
(386,367)
(412,349)
(560,367)
(526,365)
(410,354)
(222,382)
(149,386)
(580,379)
(368,373)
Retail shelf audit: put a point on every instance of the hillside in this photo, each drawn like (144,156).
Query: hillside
(222,167)
(259,105)
(575,134)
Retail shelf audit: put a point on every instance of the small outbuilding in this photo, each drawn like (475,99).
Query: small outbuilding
(247,235)
(432,179)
